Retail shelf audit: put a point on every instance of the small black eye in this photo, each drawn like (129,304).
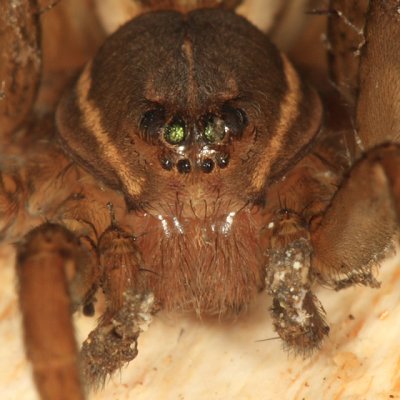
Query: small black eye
(207,165)
(167,164)
(183,166)
(223,160)
(152,121)
(235,119)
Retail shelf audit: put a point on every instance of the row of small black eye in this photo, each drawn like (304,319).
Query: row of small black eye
(207,165)
(152,121)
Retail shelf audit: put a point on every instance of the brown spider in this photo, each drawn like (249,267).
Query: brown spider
(190,167)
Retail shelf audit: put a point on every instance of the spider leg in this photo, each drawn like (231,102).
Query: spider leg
(298,316)
(378,106)
(129,309)
(20,62)
(364,66)
(346,38)
(361,221)
(363,216)
(54,273)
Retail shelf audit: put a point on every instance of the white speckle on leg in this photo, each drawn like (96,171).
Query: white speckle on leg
(297,265)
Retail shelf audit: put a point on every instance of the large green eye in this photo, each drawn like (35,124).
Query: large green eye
(175,133)
(214,130)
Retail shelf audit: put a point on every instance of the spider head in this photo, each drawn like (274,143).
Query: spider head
(188,102)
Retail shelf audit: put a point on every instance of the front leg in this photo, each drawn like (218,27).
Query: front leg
(51,265)
(357,229)
(298,316)
(114,341)
(129,309)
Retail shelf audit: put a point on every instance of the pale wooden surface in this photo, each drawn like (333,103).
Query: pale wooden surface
(181,358)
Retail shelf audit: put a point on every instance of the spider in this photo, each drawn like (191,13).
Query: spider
(189,167)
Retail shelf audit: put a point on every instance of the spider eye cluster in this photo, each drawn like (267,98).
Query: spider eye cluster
(208,137)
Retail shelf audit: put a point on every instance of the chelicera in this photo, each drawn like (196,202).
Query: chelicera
(161,183)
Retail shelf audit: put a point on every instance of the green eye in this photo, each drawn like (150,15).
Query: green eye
(214,130)
(175,133)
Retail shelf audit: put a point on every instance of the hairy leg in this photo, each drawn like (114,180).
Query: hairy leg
(351,237)
(49,261)
(298,316)
(364,65)
(129,309)
(378,105)
(20,63)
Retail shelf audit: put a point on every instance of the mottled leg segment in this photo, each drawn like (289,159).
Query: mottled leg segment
(114,342)
(129,309)
(47,263)
(298,316)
